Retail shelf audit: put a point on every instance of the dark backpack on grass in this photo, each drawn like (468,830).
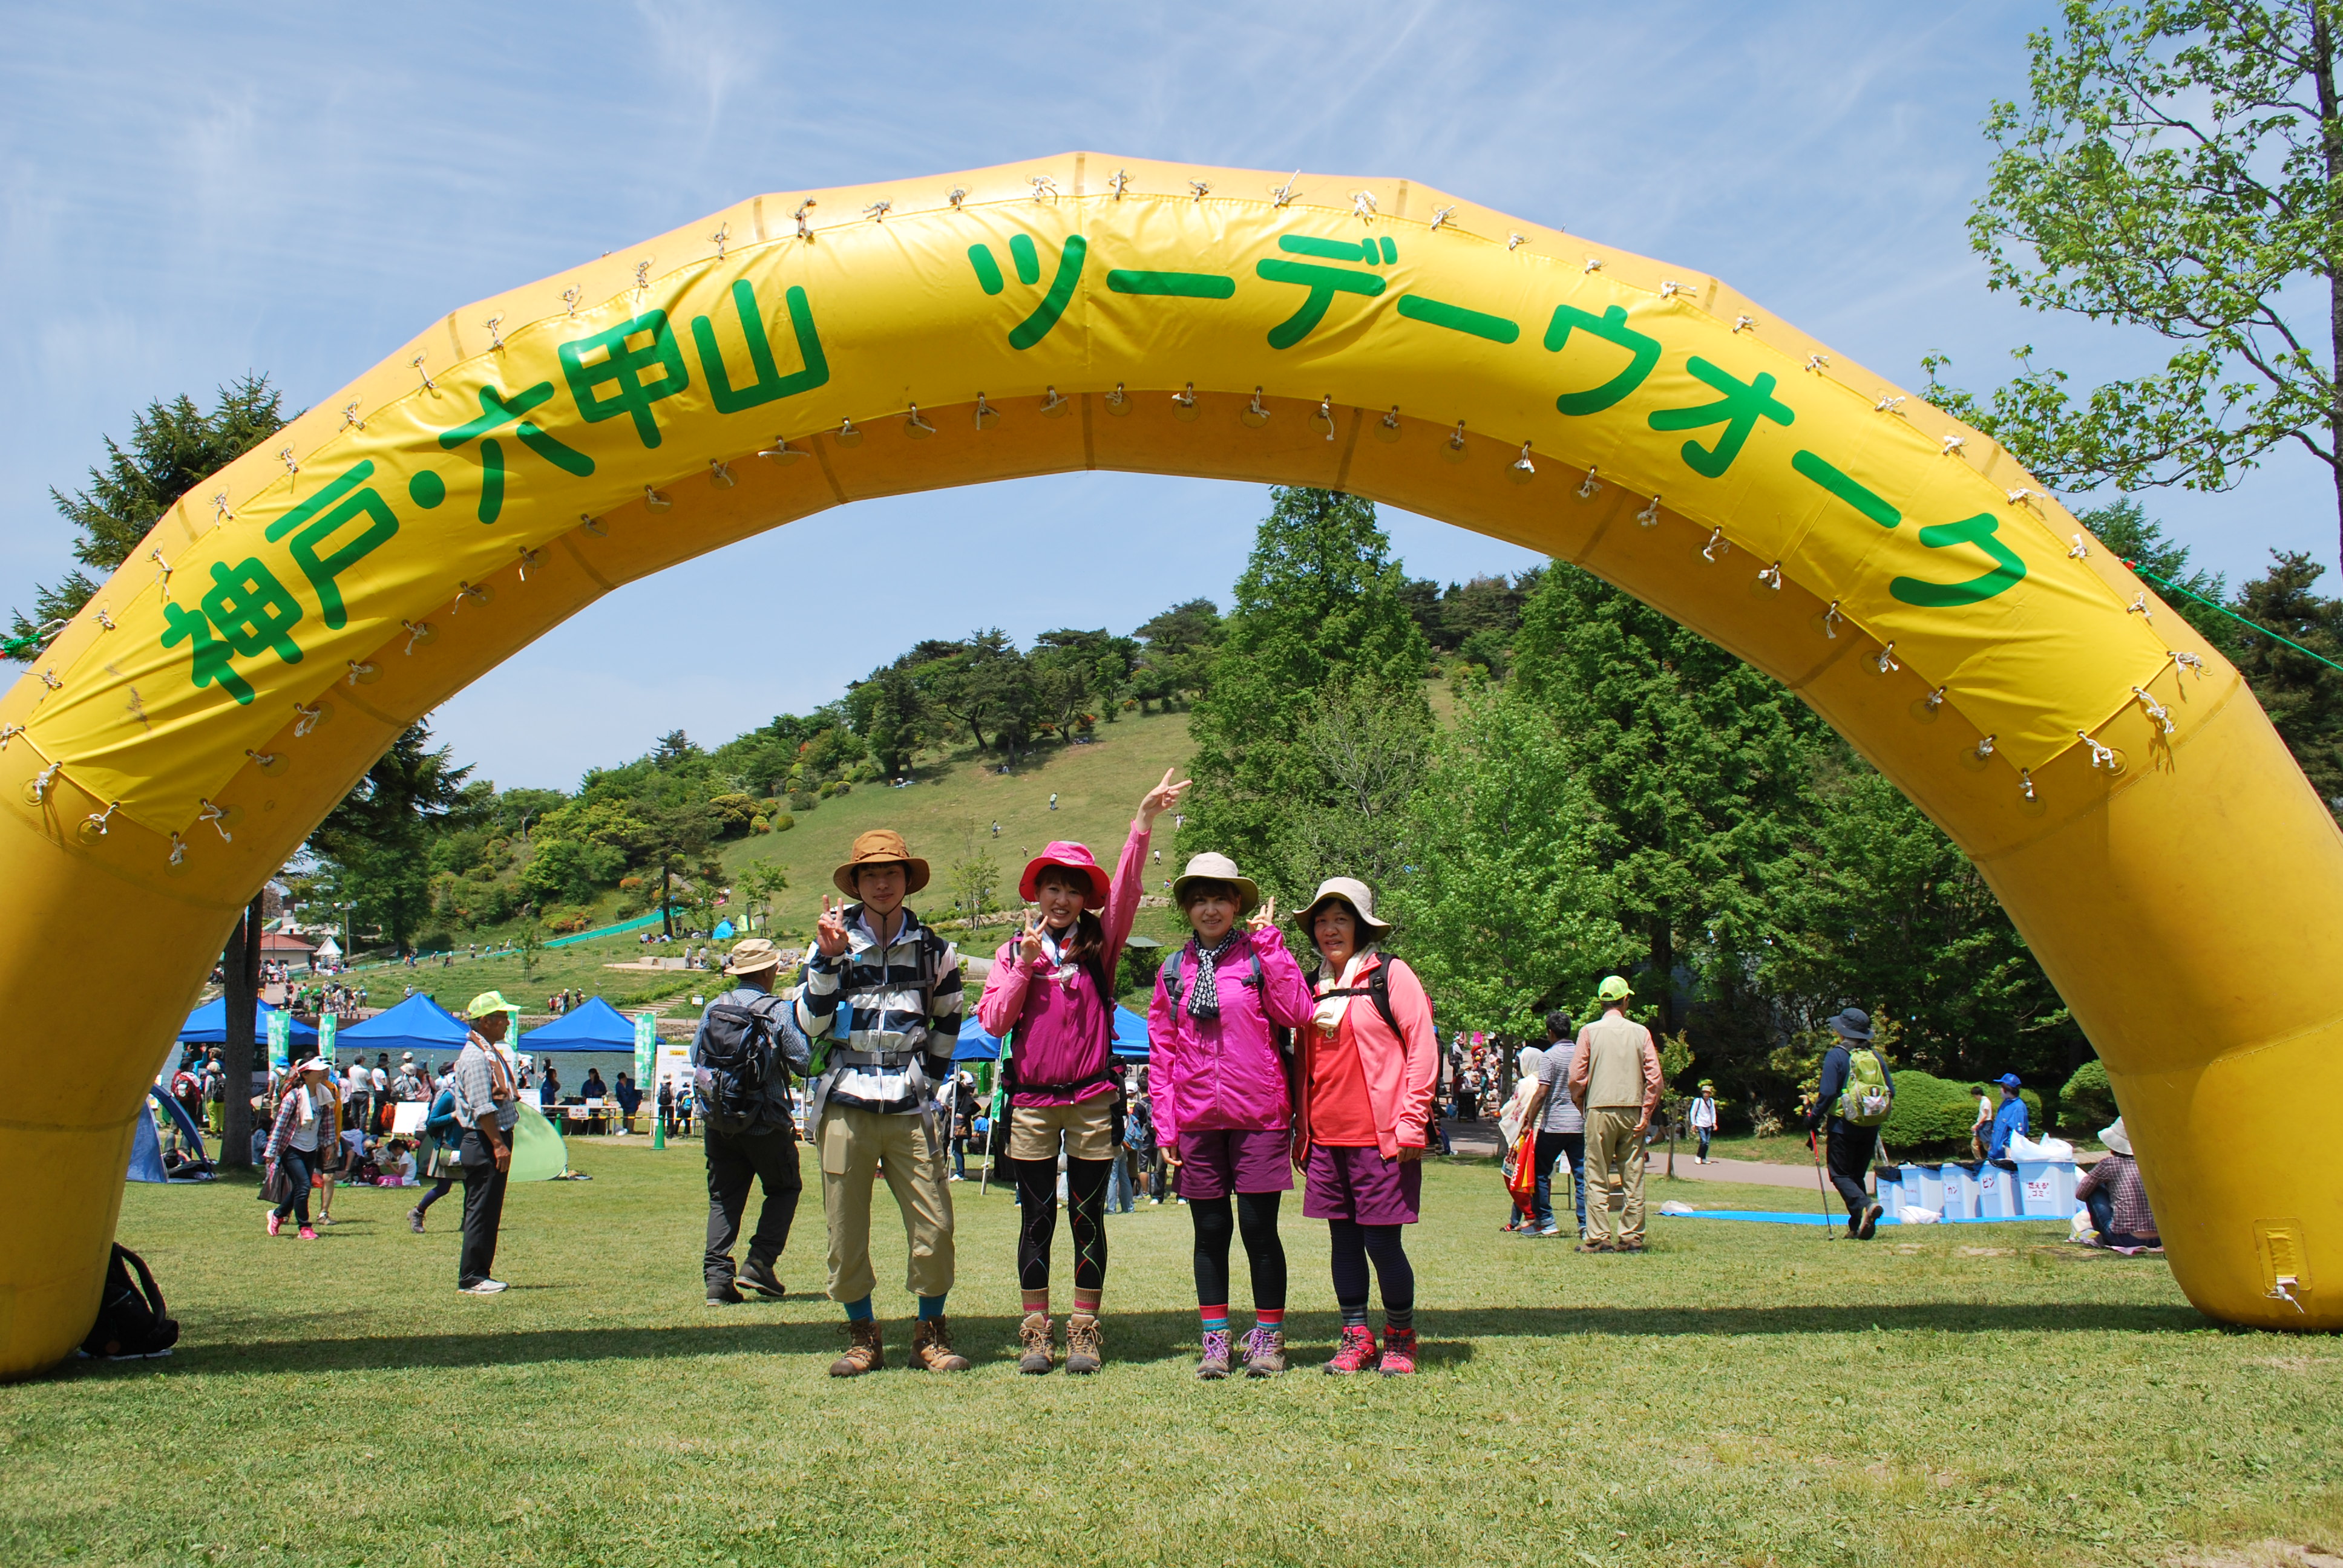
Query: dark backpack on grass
(130,1316)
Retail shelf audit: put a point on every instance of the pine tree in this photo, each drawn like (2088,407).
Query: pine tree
(1319,607)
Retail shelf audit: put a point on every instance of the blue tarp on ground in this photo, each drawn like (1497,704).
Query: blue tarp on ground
(596,1025)
(417,1024)
(207,1025)
(1771,1217)
(1130,1039)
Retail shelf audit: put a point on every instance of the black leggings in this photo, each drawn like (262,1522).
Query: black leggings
(1256,1216)
(1037,1197)
(1353,1244)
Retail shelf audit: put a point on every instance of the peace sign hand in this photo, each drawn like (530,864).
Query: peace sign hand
(830,931)
(1029,941)
(1264,917)
(1162,798)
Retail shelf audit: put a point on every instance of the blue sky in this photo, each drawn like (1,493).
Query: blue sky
(189,192)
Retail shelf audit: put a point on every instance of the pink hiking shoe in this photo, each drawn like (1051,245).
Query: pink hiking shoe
(1399,1352)
(308,1234)
(1354,1353)
(275,1224)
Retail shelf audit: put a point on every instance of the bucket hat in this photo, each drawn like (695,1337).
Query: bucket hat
(1211,867)
(1614,987)
(487,1002)
(880,846)
(1351,891)
(1070,857)
(2117,1140)
(1852,1024)
(752,956)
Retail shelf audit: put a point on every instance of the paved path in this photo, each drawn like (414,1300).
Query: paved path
(1480,1139)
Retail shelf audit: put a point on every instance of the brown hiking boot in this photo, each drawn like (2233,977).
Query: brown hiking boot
(1085,1345)
(1033,1338)
(932,1347)
(1264,1352)
(1595,1244)
(863,1351)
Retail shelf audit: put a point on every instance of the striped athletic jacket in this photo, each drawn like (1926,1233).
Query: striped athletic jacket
(891,1016)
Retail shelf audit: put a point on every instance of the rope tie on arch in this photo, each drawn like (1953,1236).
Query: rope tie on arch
(2191,660)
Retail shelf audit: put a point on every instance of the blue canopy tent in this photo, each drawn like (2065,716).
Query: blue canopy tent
(1130,1039)
(146,1139)
(596,1026)
(975,1045)
(207,1025)
(417,1024)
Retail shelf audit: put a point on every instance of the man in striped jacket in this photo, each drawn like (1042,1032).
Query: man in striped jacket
(882,1005)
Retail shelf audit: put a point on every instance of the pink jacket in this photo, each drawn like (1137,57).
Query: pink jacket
(1226,1072)
(1068,1027)
(1401,1069)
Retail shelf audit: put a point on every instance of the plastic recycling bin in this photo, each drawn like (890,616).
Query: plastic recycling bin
(2046,1189)
(1924,1188)
(1996,1191)
(1889,1181)
(1960,1190)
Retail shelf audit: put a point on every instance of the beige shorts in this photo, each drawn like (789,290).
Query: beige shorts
(1087,1128)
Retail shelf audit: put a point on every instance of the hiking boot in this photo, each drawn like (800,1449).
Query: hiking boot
(1033,1340)
(415,1220)
(308,1234)
(1871,1222)
(1264,1352)
(931,1348)
(1085,1345)
(1215,1364)
(722,1294)
(1399,1352)
(275,1224)
(1593,1244)
(1355,1352)
(1628,1247)
(863,1351)
(759,1276)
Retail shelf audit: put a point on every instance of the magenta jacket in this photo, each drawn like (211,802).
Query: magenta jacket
(1068,1028)
(1228,1073)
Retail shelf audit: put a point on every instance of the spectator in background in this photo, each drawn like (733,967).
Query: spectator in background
(488,1105)
(1561,1127)
(1849,1146)
(594,1088)
(630,1099)
(443,1163)
(2117,1198)
(1614,1077)
(304,1126)
(549,1089)
(667,1108)
(357,1087)
(1981,1133)
(1703,1117)
(2009,1120)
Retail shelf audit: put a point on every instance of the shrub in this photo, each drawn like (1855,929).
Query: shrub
(1930,1114)
(781,821)
(802,801)
(2088,1101)
(758,824)
(628,884)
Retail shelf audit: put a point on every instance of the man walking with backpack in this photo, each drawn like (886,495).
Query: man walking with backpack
(741,1057)
(1853,1100)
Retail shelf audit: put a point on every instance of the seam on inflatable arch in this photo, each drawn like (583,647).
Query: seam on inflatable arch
(1342,470)
(1089,443)
(2099,805)
(823,458)
(584,564)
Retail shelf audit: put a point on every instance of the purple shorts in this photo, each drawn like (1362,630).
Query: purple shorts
(1235,1159)
(1362,1186)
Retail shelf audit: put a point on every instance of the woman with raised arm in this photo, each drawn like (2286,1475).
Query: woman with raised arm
(1218,1059)
(1050,997)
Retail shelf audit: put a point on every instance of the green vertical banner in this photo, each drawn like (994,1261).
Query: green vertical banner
(325,1023)
(646,1047)
(280,1040)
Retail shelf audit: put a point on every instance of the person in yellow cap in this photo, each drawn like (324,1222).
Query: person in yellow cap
(882,1003)
(487,1104)
(1615,1079)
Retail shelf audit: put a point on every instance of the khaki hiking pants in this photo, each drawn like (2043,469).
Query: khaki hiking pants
(852,1144)
(1613,1144)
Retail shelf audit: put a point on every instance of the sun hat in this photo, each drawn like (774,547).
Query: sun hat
(749,957)
(406,1056)
(881,847)
(2113,1135)
(1071,857)
(1708,1083)
(487,1002)
(2008,1080)
(1614,988)
(314,1065)
(1351,891)
(1852,1024)
(1211,867)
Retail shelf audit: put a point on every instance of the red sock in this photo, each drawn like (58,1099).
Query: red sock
(1214,1317)
(1087,1304)
(1038,1301)
(1269,1318)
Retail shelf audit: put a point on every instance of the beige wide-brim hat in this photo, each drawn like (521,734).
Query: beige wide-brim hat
(2116,1140)
(878,846)
(1211,867)
(752,956)
(1351,891)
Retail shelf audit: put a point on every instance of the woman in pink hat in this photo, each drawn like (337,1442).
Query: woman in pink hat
(1050,997)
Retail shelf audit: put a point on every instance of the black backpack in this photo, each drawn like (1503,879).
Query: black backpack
(735,1063)
(1378,991)
(1170,975)
(131,1323)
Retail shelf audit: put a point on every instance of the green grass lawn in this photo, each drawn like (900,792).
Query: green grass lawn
(1741,1395)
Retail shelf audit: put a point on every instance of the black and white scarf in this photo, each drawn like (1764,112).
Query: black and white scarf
(1204,996)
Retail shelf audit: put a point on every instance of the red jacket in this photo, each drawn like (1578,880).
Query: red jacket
(1401,1069)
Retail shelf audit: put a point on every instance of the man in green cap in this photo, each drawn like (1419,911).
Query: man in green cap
(1615,1080)
(487,1106)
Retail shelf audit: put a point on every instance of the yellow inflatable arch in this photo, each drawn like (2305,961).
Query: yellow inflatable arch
(2111,774)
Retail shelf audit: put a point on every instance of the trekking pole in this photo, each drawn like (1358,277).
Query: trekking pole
(1815,1147)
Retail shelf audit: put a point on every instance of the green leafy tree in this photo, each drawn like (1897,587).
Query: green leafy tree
(759,884)
(378,840)
(174,447)
(2177,167)
(2303,695)
(1318,606)
(1176,649)
(1503,909)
